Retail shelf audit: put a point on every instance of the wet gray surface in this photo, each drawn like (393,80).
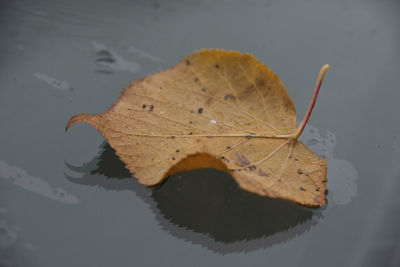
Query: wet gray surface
(66,200)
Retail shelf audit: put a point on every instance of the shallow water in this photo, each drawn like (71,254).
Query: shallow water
(66,200)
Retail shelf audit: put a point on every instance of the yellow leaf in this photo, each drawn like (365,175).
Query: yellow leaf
(215,109)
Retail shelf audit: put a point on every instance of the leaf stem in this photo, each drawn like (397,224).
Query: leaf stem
(318,83)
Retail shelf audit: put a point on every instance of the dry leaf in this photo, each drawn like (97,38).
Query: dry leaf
(215,109)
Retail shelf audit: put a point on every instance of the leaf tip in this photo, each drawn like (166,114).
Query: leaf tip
(78,118)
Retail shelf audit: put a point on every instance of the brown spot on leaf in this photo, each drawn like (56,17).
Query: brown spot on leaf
(151,108)
(200,110)
(248,90)
(262,173)
(208,102)
(241,160)
(260,82)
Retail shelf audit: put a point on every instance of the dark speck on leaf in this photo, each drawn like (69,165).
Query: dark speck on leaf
(216,66)
(144,106)
(200,110)
(299,171)
(151,108)
(177,150)
(302,189)
(317,189)
(196,79)
(173,158)
(296,159)
(224,159)
(187,62)
(252,168)
(228,147)
(190,122)
(229,96)
(203,89)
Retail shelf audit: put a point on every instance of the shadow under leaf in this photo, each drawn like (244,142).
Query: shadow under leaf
(205,206)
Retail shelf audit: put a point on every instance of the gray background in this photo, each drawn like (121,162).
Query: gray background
(65,200)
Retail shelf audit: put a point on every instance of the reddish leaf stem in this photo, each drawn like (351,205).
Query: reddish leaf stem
(318,83)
